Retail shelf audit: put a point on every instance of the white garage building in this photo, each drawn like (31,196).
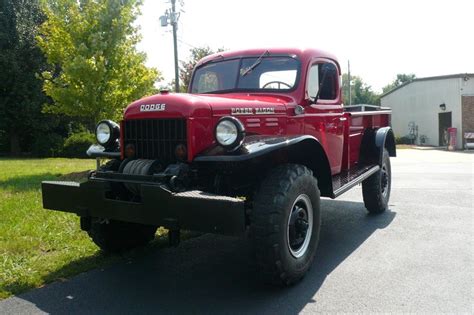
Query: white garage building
(425,107)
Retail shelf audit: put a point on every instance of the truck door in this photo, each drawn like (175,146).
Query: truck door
(324,119)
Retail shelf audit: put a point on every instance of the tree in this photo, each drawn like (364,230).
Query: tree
(360,91)
(187,67)
(400,80)
(21,97)
(95,69)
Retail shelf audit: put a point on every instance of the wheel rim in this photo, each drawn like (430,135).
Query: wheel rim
(300,226)
(384,181)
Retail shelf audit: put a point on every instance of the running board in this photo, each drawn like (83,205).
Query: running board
(347,179)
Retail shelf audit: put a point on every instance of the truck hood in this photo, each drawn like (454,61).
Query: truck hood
(171,105)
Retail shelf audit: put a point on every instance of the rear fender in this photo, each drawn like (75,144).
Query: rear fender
(304,150)
(384,138)
(373,143)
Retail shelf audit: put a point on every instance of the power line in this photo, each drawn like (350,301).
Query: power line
(186,43)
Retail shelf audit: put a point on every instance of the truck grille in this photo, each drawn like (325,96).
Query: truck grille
(155,138)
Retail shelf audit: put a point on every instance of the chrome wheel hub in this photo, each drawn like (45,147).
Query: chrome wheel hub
(384,181)
(300,226)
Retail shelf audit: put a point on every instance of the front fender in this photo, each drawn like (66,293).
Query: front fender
(252,147)
(305,150)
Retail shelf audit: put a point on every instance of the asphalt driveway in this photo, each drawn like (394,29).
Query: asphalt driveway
(418,257)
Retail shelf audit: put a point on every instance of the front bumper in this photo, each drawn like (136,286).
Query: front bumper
(192,210)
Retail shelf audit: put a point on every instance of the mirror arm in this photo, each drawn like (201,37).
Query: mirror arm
(325,71)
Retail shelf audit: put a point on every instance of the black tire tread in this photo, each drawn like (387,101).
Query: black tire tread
(371,192)
(117,236)
(265,222)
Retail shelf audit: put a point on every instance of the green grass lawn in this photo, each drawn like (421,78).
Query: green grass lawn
(38,246)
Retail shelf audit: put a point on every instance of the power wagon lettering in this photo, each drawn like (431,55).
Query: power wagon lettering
(251,111)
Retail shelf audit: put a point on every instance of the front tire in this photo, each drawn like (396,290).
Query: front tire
(285,224)
(376,188)
(116,236)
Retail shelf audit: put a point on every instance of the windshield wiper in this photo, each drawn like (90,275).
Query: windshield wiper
(255,64)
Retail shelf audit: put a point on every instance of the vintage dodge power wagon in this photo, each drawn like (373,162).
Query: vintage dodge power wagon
(259,138)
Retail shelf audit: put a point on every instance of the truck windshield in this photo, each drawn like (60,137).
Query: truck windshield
(247,74)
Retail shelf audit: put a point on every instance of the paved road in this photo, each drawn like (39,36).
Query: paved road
(418,257)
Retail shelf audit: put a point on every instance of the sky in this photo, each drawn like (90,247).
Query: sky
(380,38)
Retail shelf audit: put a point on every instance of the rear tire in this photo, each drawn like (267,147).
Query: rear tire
(376,188)
(117,236)
(285,224)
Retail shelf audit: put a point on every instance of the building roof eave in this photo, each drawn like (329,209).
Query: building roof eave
(441,77)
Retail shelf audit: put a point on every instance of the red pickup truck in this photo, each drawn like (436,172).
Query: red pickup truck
(259,138)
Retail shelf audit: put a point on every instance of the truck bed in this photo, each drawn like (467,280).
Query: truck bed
(365,108)
(361,117)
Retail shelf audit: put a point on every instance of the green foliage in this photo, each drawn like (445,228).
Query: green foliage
(400,80)
(77,144)
(21,96)
(50,144)
(95,69)
(361,92)
(187,67)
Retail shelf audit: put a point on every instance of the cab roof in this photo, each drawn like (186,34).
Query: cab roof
(304,54)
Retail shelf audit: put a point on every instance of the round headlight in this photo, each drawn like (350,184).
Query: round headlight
(107,132)
(103,133)
(229,132)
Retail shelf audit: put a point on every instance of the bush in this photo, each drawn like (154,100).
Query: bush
(77,144)
(403,140)
(48,145)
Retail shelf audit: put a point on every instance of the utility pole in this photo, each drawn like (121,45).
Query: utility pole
(349,79)
(174,23)
(171,17)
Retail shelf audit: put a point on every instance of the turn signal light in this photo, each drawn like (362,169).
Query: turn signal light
(181,152)
(129,151)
